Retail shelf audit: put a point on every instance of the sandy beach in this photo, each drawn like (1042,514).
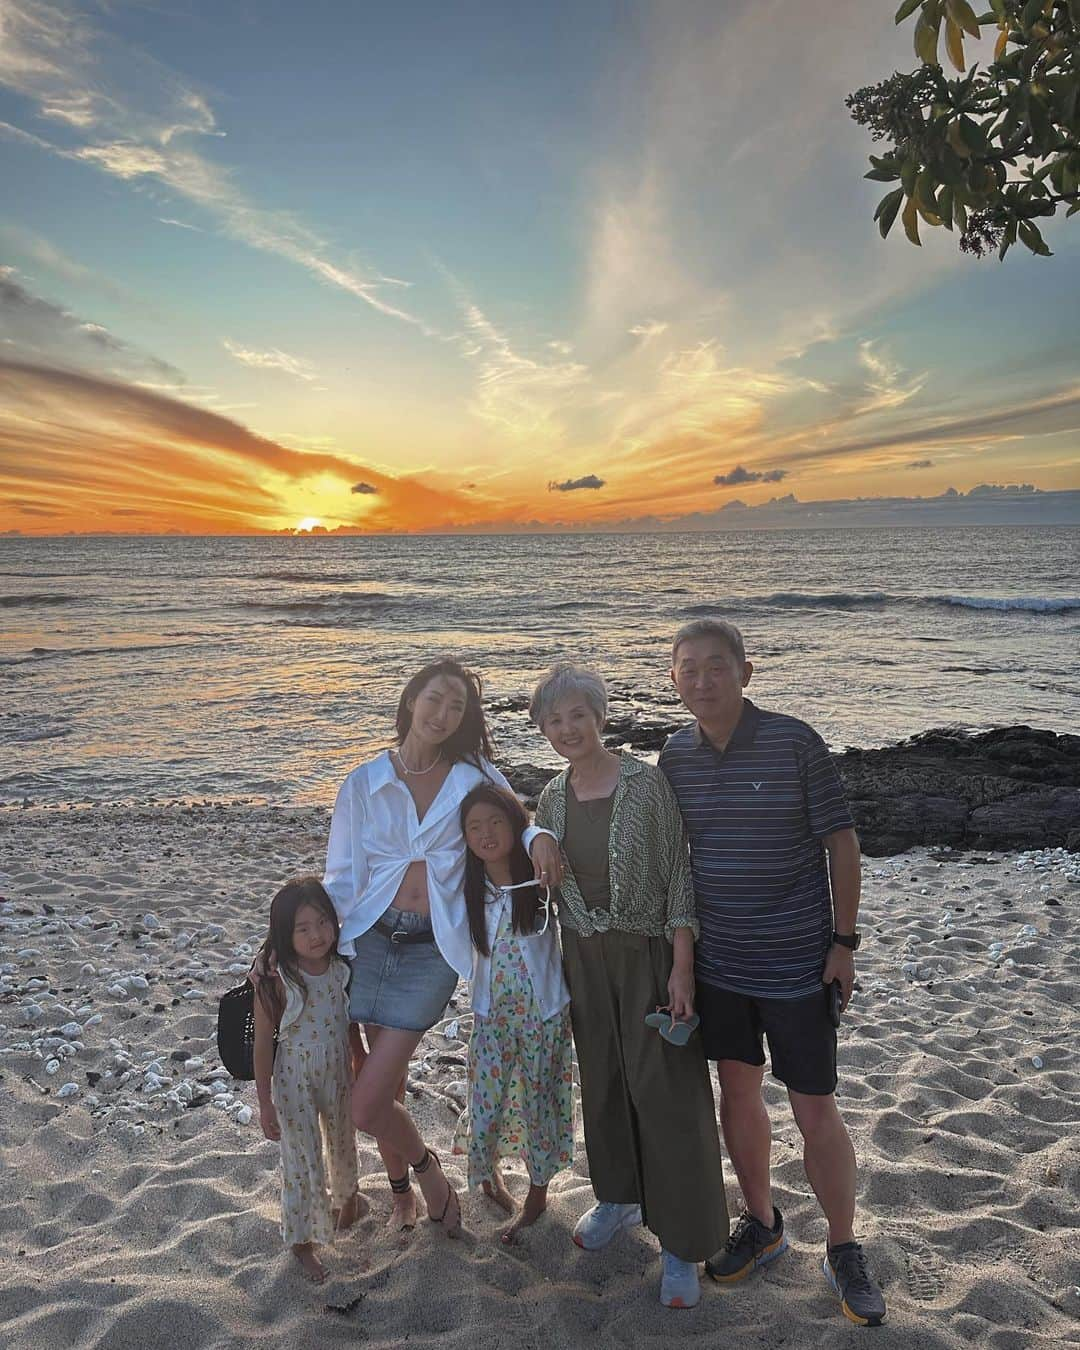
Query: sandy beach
(138,1199)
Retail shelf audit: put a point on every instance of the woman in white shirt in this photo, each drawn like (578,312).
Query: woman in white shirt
(395,870)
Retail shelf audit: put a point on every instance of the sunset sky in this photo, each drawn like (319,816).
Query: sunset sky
(438,266)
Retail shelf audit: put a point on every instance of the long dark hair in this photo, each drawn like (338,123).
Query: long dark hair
(471,740)
(284,907)
(526,902)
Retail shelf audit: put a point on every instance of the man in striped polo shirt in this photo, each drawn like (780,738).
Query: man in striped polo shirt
(769,831)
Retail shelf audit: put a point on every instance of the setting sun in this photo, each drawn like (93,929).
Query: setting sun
(308,523)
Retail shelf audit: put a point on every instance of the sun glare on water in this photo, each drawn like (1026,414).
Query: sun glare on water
(308,523)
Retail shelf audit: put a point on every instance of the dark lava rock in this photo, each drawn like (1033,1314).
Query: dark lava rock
(528,781)
(1011,788)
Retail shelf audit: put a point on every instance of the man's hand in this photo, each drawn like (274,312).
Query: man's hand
(680,988)
(840,965)
(546,860)
(271,1128)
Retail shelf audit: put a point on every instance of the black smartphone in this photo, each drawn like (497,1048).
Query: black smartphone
(834,998)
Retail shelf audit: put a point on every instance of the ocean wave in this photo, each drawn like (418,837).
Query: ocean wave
(849,600)
(41,598)
(334,611)
(796,600)
(27,730)
(1035,604)
(124,649)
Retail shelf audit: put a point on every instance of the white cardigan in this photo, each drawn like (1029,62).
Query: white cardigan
(375,835)
(543,960)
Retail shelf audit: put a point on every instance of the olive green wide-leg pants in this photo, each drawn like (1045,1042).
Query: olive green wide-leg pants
(647,1106)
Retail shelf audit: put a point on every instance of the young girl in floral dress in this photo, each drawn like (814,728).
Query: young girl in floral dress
(520,1075)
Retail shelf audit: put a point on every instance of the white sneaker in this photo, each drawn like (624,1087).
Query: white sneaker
(598,1226)
(680,1285)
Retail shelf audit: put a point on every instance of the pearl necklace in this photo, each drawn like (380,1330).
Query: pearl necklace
(417,773)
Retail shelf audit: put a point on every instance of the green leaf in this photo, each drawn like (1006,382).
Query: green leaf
(909,171)
(925,187)
(1030,235)
(911,222)
(926,40)
(882,175)
(973,134)
(1072,210)
(959,213)
(957,141)
(1031,12)
(887,209)
(945,207)
(1007,240)
(907,9)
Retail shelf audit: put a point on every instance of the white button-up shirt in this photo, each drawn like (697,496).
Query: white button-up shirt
(543,960)
(375,835)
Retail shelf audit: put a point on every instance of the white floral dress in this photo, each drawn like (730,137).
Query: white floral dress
(521,1102)
(311,1094)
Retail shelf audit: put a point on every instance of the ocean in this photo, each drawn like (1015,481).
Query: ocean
(182,668)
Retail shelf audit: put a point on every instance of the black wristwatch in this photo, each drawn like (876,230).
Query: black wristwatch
(849,940)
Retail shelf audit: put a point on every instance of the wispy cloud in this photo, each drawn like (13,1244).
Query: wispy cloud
(137,118)
(272,360)
(649,330)
(180,224)
(523,395)
(885,386)
(32,324)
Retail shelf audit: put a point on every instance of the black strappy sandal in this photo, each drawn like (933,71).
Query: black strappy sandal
(430,1156)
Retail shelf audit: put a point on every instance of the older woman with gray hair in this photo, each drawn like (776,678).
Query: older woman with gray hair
(628,930)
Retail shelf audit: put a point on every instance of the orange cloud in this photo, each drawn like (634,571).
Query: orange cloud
(89,446)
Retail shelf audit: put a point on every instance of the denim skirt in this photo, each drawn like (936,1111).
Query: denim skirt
(405,985)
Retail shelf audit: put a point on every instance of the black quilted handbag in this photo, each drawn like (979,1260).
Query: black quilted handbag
(236,1031)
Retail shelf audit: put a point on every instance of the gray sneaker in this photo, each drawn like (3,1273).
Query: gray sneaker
(598,1226)
(750,1245)
(859,1294)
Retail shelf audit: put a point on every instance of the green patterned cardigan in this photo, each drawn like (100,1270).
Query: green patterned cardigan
(648,857)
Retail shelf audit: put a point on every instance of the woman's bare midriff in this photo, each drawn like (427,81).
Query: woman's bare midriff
(412,894)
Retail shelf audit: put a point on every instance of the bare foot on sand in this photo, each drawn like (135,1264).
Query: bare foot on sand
(312,1267)
(403,1214)
(353,1209)
(535,1204)
(495,1189)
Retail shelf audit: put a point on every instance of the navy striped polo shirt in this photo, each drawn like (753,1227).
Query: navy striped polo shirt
(756,814)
